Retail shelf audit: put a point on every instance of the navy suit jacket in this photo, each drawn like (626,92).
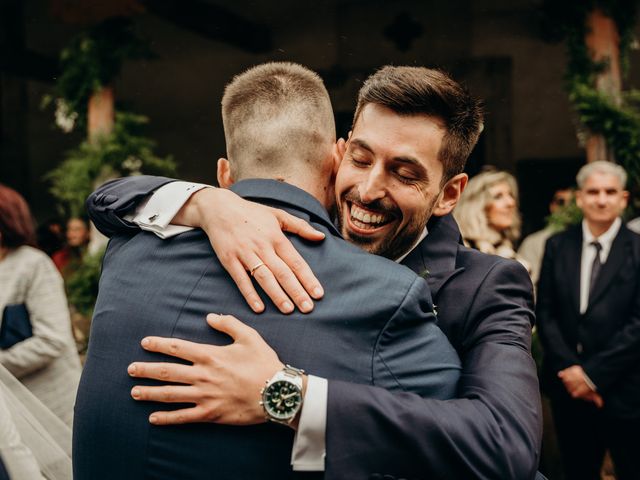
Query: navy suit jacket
(375,326)
(605,340)
(493,429)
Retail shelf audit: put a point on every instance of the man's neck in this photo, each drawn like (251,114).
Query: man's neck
(598,228)
(318,188)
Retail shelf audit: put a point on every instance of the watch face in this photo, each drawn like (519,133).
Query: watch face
(282,399)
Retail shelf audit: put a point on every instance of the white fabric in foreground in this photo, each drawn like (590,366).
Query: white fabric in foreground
(28,430)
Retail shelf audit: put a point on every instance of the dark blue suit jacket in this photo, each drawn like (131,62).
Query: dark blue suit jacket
(608,332)
(493,429)
(375,326)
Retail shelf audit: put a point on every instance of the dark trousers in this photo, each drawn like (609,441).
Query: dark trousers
(586,432)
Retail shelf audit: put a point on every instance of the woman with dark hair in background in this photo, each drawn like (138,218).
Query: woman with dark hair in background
(47,362)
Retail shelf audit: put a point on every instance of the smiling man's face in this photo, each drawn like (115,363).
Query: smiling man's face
(389,180)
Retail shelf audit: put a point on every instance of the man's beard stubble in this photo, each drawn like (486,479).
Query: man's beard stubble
(397,243)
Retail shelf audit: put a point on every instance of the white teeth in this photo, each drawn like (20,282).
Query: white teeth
(366,217)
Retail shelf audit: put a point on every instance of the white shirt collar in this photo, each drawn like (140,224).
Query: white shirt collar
(606,239)
(417,242)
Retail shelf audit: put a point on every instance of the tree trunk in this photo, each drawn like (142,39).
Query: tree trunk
(603,42)
(100,121)
(101,113)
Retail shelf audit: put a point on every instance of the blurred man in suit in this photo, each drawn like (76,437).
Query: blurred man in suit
(589,319)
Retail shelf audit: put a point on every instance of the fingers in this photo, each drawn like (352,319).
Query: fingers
(287,281)
(291,224)
(270,284)
(231,326)
(190,351)
(304,277)
(178,417)
(165,394)
(597,399)
(168,372)
(241,278)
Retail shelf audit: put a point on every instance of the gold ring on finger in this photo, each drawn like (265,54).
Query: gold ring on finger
(255,267)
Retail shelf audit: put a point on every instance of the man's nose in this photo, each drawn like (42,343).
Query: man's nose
(602,198)
(373,186)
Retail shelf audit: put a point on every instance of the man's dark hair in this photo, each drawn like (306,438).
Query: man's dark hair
(419,90)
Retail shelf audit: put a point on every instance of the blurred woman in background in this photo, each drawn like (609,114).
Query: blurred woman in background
(69,258)
(488,215)
(46,363)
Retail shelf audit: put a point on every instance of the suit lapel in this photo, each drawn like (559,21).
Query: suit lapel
(435,257)
(612,266)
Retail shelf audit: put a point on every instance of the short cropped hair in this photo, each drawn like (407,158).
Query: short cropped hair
(277,117)
(16,223)
(419,90)
(471,211)
(601,166)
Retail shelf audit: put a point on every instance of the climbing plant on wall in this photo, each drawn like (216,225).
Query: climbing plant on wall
(614,116)
(115,147)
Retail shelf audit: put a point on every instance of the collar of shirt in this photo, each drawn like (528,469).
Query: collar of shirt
(417,242)
(606,239)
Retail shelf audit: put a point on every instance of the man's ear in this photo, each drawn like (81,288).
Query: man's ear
(450,195)
(578,195)
(339,150)
(225,180)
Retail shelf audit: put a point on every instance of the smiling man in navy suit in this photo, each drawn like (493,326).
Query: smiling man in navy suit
(589,319)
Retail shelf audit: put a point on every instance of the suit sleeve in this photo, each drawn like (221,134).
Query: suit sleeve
(115,198)
(491,430)
(557,353)
(412,354)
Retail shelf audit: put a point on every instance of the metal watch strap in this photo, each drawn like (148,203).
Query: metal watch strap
(293,374)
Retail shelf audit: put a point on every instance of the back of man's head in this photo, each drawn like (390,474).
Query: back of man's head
(277,121)
(424,91)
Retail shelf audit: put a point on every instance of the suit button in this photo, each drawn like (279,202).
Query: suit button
(579,348)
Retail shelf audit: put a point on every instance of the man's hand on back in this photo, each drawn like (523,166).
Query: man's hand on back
(248,239)
(224,382)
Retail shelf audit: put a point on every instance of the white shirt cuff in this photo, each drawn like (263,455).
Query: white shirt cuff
(309,445)
(588,381)
(155,213)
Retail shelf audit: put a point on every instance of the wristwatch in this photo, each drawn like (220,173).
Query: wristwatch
(282,395)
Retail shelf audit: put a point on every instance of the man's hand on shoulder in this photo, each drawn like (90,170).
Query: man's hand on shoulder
(223,382)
